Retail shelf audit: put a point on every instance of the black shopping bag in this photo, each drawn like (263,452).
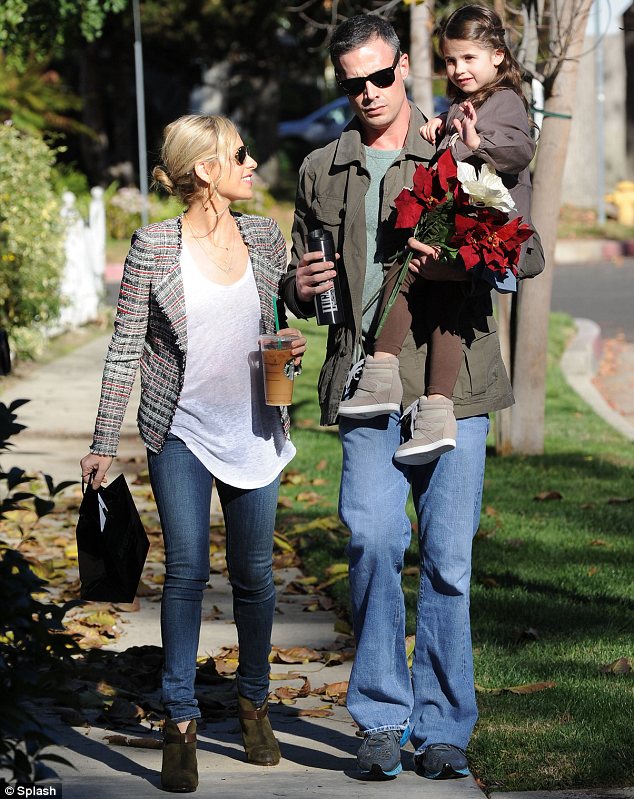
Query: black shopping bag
(5,353)
(111,543)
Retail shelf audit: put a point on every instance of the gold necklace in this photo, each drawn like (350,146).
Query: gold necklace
(228,261)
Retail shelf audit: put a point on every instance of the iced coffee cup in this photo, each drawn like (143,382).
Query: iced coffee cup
(278,369)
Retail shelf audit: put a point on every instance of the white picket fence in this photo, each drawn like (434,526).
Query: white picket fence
(82,286)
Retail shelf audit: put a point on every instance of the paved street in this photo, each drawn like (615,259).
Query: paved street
(603,292)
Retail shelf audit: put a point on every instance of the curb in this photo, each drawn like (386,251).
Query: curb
(579,365)
(569,251)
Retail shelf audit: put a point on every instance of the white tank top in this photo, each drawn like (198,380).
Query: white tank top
(221,414)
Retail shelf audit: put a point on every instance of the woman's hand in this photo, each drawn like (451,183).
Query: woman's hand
(97,466)
(313,276)
(299,346)
(432,129)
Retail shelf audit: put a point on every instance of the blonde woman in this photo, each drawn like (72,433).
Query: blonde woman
(196,292)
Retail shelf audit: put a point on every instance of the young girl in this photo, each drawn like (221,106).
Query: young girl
(487,122)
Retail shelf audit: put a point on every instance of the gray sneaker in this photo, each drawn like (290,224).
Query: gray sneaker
(380,753)
(441,762)
(434,432)
(379,391)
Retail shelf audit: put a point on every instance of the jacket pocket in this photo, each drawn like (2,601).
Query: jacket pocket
(328,210)
(481,367)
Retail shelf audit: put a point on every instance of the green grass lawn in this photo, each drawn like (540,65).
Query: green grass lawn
(553,586)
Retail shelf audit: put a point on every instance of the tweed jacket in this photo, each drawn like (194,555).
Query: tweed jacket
(150,328)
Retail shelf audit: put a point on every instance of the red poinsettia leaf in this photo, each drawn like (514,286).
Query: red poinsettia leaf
(408,210)
(423,183)
(446,170)
(470,256)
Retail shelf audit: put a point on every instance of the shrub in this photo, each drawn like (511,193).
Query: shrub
(34,651)
(123,208)
(31,235)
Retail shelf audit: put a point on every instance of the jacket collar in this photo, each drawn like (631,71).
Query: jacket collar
(350,145)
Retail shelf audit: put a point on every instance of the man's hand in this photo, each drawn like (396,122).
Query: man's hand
(432,129)
(466,126)
(313,276)
(97,465)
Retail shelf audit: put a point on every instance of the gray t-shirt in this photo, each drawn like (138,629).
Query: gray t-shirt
(377,163)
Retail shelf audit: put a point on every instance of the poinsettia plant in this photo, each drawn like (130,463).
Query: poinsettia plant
(462,213)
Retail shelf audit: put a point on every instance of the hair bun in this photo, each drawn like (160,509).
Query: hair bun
(161,178)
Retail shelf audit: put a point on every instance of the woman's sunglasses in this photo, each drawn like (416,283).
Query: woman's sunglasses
(241,154)
(382,78)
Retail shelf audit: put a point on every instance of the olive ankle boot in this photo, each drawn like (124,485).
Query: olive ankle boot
(179,772)
(257,735)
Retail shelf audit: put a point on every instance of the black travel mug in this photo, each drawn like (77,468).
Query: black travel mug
(328,305)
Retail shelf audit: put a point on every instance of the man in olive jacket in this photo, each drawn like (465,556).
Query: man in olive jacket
(348,188)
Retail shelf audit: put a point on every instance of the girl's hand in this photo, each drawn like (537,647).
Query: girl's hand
(423,254)
(97,466)
(466,127)
(432,129)
(299,346)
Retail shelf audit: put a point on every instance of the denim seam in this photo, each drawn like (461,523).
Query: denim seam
(386,728)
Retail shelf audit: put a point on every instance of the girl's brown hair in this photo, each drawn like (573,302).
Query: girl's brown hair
(479,24)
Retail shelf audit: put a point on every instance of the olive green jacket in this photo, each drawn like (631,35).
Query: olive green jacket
(333,182)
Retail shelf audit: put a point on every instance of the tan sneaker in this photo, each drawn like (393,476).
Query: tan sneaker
(434,432)
(379,391)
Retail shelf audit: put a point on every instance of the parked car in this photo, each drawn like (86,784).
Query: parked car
(299,136)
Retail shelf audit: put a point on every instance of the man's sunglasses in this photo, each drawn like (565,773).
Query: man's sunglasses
(241,154)
(381,78)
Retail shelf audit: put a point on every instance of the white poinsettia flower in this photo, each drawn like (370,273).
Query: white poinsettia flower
(485,189)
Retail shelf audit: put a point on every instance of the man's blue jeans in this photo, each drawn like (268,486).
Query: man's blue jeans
(438,699)
(182,489)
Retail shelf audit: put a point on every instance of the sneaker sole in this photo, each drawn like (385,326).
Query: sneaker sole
(369,411)
(447,773)
(425,453)
(377,773)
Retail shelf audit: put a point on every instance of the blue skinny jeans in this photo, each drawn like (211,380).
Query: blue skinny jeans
(182,490)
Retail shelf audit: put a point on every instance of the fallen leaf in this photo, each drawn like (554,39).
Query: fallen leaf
(620,500)
(321,465)
(291,477)
(619,666)
(545,496)
(289,675)
(296,654)
(315,712)
(599,542)
(284,502)
(309,497)
(410,571)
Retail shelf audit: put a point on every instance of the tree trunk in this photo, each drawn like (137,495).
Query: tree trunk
(534,297)
(421,55)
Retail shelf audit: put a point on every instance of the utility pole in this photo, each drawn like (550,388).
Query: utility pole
(140,110)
